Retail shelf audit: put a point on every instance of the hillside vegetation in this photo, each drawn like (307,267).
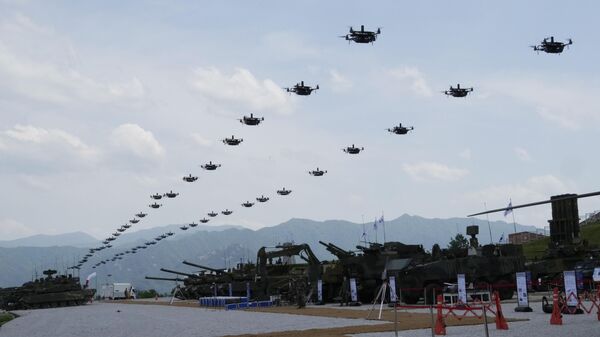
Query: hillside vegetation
(537,248)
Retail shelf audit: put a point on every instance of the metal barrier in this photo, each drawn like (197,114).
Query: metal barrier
(560,305)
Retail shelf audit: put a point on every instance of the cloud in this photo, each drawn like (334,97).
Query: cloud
(134,139)
(522,154)
(11,229)
(290,44)
(569,105)
(533,189)
(338,82)
(430,171)
(465,154)
(240,90)
(200,140)
(44,73)
(27,144)
(411,78)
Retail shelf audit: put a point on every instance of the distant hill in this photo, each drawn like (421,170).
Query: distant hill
(590,231)
(227,247)
(76,239)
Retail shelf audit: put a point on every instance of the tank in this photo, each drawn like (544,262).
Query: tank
(47,292)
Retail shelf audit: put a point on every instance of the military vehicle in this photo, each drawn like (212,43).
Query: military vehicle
(488,267)
(47,292)
(566,250)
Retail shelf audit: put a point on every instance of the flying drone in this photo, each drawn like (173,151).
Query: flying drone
(401,130)
(248,204)
(154,205)
(183,228)
(156,196)
(458,91)
(353,150)
(232,141)
(210,166)
(171,194)
(301,89)
(128,225)
(283,191)
(193,224)
(226,212)
(141,214)
(251,120)
(262,198)
(548,45)
(134,221)
(190,178)
(204,220)
(362,35)
(317,172)
(212,214)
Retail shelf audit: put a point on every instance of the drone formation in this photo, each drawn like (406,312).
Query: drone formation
(362,36)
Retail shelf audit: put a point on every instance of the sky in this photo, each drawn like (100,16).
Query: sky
(103,103)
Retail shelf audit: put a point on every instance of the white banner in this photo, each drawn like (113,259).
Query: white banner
(393,297)
(353,292)
(570,287)
(462,288)
(320,291)
(522,297)
(596,274)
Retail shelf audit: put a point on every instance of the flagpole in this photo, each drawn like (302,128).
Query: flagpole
(376,229)
(383,224)
(513,216)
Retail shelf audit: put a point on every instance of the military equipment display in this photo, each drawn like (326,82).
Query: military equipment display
(46,292)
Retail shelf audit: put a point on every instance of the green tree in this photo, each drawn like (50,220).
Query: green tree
(458,245)
(147,293)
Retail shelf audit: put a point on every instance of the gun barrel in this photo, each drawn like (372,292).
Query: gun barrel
(335,250)
(177,279)
(218,271)
(179,273)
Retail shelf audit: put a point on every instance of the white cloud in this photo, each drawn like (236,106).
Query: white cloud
(11,229)
(338,82)
(134,139)
(200,140)
(465,154)
(411,78)
(240,90)
(429,171)
(522,154)
(533,189)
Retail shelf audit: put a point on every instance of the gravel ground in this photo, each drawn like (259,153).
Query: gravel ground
(537,326)
(102,319)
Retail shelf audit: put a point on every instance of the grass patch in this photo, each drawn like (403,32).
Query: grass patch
(5,317)
(537,248)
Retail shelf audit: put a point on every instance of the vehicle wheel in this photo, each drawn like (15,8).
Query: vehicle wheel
(410,298)
(505,290)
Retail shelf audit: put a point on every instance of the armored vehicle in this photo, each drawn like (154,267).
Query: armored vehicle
(47,292)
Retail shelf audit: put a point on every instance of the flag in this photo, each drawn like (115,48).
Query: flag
(380,221)
(508,209)
(375,224)
(501,239)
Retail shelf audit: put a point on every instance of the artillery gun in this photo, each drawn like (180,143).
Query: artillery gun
(46,292)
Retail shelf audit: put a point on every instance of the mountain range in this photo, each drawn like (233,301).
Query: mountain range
(224,246)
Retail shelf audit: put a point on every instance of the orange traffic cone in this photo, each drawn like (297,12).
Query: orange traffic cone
(556,318)
(501,323)
(440,325)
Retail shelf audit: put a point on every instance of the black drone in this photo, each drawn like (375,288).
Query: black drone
(190,178)
(116,234)
(193,224)
(212,214)
(128,225)
(458,91)
(283,191)
(262,198)
(183,228)
(149,243)
(248,204)
(164,236)
(105,242)
(204,220)
(353,150)
(134,220)
(227,212)
(317,172)
(232,141)
(154,205)
(110,239)
(210,166)
(156,196)
(141,214)
(362,35)
(251,120)
(548,45)
(171,233)
(171,194)
(121,230)
(301,89)
(401,130)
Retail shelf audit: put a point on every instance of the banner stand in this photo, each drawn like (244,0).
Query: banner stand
(522,294)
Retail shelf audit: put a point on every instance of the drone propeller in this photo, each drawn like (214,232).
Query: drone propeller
(378,30)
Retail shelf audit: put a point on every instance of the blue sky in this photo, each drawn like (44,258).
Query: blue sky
(103,104)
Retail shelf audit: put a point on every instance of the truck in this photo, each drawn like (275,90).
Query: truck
(122,291)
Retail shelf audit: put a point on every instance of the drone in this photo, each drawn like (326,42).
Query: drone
(183,228)
(458,91)
(283,191)
(210,166)
(190,178)
(362,35)
(116,234)
(156,196)
(154,205)
(548,45)
(212,214)
(401,130)
(262,198)
(134,220)
(110,239)
(164,236)
(248,204)
(227,212)
(105,242)
(301,89)
(171,233)
(126,226)
(193,224)
(232,141)
(121,230)
(141,214)
(204,220)
(149,243)
(317,172)
(171,194)
(251,120)
(353,150)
